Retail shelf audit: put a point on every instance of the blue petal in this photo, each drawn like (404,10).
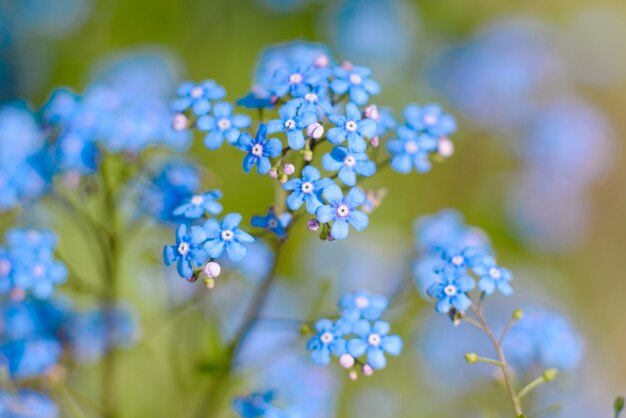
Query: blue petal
(263,165)
(376,358)
(325,213)
(248,162)
(356,347)
(355,198)
(231,221)
(332,193)
(295,200)
(347,176)
(236,251)
(273,148)
(358,220)
(336,135)
(295,139)
(275,125)
(311,173)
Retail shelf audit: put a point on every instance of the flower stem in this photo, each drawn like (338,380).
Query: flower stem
(531,386)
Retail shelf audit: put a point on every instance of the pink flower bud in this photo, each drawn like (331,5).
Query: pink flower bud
(347,65)
(322,61)
(212,269)
(313,225)
(352,375)
(367,370)
(179,122)
(273,173)
(445,147)
(371,112)
(289,169)
(346,361)
(375,142)
(315,131)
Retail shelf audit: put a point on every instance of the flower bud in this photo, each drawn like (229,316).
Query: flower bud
(307,155)
(322,61)
(371,112)
(179,122)
(367,370)
(445,147)
(273,173)
(550,374)
(375,142)
(209,283)
(352,375)
(313,225)
(315,130)
(471,358)
(212,269)
(517,314)
(289,169)
(346,361)
(347,65)
(283,178)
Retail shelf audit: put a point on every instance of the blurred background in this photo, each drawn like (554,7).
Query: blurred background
(539,91)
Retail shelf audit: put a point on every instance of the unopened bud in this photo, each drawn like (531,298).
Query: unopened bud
(283,178)
(329,237)
(315,130)
(212,269)
(322,61)
(273,173)
(471,358)
(346,361)
(367,370)
(289,169)
(445,147)
(375,142)
(517,314)
(347,65)
(550,374)
(371,112)
(307,155)
(179,122)
(352,375)
(209,282)
(313,225)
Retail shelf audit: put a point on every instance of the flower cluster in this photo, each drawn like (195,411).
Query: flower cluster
(358,337)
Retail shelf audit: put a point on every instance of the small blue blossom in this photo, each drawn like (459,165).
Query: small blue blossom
(342,210)
(226,237)
(222,124)
(356,82)
(27,403)
(292,124)
(40,273)
(351,127)
(315,100)
(188,250)
(260,150)
(258,98)
(410,151)
(198,205)
(258,405)
(362,305)
(197,97)
(329,340)
(348,164)
(273,223)
(491,275)
(295,80)
(306,190)
(374,342)
(429,119)
(451,290)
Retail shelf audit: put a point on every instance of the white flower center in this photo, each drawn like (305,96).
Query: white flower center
(257,150)
(196,92)
(351,126)
(327,338)
(411,147)
(495,273)
(361,302)
(430,119)
(311,97)
(356,79)
(457,260)
(5,267)
(227,235)
(374,340)
(223,124)
(349,161)
(290,124)
(183,248)
(39,270)
(272,223)
(307,187)
(343,210)
(450,290)
(296,78)
(197,200)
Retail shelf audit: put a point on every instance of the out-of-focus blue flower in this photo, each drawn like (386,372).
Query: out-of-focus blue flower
(291,122)
(351,127)
(491,275)
(222,124)
(342,211)
(450,291)
(260,150)
(27,404)
(329,340)
(315,100)
(354,81)
(374,342)
(348,164)
(273,223)
(306,190)
(411,150)
(32,357)
(198,97)
(258,405)
(362,305)
(295,80)
(543,339)
(447,231)
(429,119)
(226,236)
(188,250)
(200,204)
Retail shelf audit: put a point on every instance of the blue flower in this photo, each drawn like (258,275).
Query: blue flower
(374,342)
(6,271)
(258,98)
(258,405)
(351,127)
(198,96)
(356,82)
(295,80)
(491,275)
(260,150)
(315,100)
(197,205)
(329,340)
(226,237)
(292,123)
(273,223)
(306,189)
(342,211)
(410,150)
(451,290)
(222,124)
(429,119)
(187,251)
(349,164)
(362,305)
(40,273)
(27,403)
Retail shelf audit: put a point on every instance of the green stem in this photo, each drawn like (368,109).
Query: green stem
(531,386)
(72,405)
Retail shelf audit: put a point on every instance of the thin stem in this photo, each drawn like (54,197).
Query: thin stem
(73,406)
(531,386)
(489,361)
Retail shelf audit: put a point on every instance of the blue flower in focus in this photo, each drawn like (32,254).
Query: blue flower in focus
(348,164)
(362,305)
(306,190)
(356,82)
(27,403)
(429,119)
(197,97)
(222,124)
(410,151)
(292,124)
(374,342)
(342,211)
(187,251)
(258,405)
(315,100)
(197,205)
(351,127)
(260,150)
(491,275)
(226,237)
(275,224)
(451,290)
(329,340)
(295,80)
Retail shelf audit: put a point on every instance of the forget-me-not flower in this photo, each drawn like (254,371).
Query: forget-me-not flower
(348,164)
(197,205)
(226,237)
(198,96)
(329,340)
(260,150)
(410,150)
(356,82)
(491,275)
(273,223)
(351,127)
(291,122)
(375,342)
(451,289)
(342,210)
(187,251)
(306,190)
(429,119)
(362,305)
(222,124)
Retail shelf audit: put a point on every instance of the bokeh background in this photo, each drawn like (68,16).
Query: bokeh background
(539,91)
